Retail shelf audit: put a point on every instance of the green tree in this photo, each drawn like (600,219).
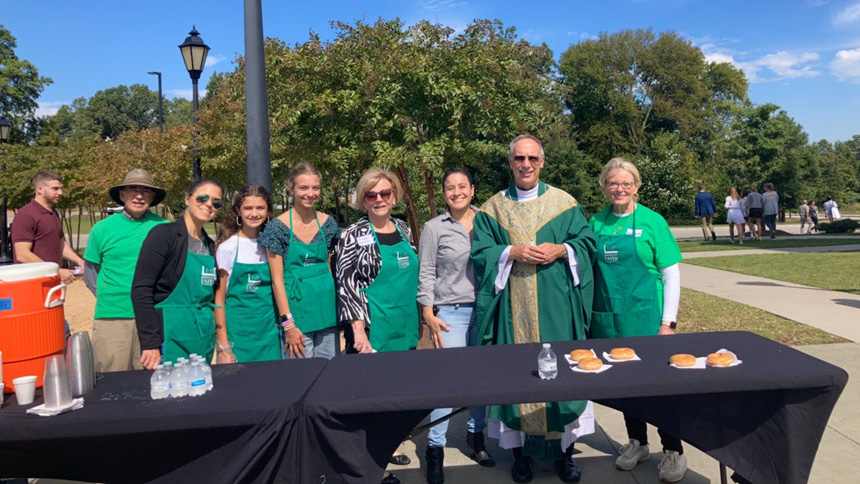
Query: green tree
(20,86)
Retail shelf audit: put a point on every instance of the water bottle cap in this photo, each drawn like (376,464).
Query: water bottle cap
(546,345)
(158,367)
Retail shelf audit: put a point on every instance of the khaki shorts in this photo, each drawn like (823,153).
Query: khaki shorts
(116,346)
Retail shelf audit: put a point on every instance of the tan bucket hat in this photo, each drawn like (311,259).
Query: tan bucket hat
(140,178)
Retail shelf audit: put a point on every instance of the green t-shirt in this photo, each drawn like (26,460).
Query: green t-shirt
(114,243)
(655,243)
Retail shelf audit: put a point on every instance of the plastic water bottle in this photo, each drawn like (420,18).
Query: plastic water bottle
(178,382)
(547,364)
(207,372)
(159,384)
(197,381)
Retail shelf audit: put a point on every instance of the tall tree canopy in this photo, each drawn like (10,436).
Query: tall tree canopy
(20,85)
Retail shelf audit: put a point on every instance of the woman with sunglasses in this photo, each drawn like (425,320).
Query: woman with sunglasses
(298,244)
(173,289)
(246,324)
(446,292)
(377,274)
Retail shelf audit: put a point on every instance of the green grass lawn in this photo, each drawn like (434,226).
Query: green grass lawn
(779,243)
(836,271)
(701,312)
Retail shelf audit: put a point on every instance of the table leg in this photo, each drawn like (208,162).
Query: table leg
(723,478)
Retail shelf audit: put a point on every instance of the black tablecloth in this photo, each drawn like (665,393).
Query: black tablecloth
(300,421)
(237,432)
(764,418)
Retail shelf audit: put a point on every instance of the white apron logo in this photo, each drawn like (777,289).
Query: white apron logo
(638,232)
(403,260)
(207,278)
(610,256)
(310,261)
(253,283)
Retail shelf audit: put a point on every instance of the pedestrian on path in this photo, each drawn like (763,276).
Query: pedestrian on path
(735,216)
(831,210)
(706,208)
(803,211)
(771,208)
(813,215)
(756,207)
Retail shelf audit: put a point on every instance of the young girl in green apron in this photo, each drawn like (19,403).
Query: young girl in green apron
(246,322)
(637,289)
(298,243)
(175,280)
(377,272)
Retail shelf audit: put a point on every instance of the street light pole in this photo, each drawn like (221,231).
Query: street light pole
(160,101)
(194,52)
(5,256)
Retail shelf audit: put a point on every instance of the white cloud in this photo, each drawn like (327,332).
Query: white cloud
(582,35)
(211,60)
(790,66)
(49,108)
(186,93)
(436,5)
(846,65)
(849,14)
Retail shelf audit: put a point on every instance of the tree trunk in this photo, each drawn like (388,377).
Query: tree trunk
(431,193)
(403,175)
(80,216)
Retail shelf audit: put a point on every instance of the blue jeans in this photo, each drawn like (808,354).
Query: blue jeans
(319,344)
(463,323)
(770,222)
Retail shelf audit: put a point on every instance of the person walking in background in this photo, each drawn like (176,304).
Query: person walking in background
(446,292)
(771,208)
(377,275)
(37,232)
(705,210)
(299,243)
(735,215)
(173,290)
(813,215)
(112,251)
(746,212)
(637,290)
(246,323)
(533,252)
(803,212)
(756,208)
(831,210)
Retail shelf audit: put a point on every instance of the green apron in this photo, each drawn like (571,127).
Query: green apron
(391,298)
(189,323)
(309,283)
(625,293)
(252,322)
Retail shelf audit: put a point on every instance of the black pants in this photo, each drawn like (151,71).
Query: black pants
(637,429)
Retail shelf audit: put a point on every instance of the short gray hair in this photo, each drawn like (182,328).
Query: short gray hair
(520,138)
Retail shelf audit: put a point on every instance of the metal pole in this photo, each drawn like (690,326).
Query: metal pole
(195,163)
(256,110)
(160,106)
(5,257)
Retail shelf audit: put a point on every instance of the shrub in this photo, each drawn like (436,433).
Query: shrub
(844,226)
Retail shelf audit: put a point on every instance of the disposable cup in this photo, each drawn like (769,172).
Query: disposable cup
(25,388)
(56,386)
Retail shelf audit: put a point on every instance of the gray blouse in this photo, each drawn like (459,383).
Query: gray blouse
(446,274)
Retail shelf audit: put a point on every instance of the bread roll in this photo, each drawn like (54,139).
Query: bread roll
(622,354)
(590,363)
(683,360)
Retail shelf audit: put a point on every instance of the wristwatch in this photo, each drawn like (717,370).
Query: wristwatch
(671,325)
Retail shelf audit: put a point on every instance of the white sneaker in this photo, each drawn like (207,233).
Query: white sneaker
(672,467)
(632,454)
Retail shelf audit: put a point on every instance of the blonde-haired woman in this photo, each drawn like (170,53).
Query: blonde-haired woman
(377,274)
(637,287)
(735,216)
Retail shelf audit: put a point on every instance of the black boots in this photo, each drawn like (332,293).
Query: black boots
(522,469)
(568,470)
(435,456)
(477,451)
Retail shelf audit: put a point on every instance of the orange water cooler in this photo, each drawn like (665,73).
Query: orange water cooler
(31,319)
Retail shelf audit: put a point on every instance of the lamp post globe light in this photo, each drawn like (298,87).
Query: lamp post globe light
(194,52)
(5,253)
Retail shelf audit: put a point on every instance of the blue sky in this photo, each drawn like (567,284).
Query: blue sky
(803,55)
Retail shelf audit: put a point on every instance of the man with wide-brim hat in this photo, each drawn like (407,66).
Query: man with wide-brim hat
(113,247)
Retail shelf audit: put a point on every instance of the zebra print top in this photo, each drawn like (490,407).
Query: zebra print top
(358,266)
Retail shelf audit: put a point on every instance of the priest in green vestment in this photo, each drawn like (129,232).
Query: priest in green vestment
(533,252)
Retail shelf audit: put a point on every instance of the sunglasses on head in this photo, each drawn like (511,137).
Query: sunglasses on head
(385,194)
(203,198)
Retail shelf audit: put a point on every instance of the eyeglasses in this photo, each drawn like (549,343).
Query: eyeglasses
(520,159)
(385,194)
(624,185)
(203,198)
(141,190)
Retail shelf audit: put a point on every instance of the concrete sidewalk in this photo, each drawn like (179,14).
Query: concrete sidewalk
(786,250)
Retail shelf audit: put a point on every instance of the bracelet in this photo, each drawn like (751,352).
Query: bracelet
(229,347)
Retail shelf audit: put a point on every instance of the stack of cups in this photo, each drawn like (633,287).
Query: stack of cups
(81,364)
(57,391)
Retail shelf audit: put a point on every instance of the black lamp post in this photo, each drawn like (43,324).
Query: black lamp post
(160,103)
(194,52)
(5,255)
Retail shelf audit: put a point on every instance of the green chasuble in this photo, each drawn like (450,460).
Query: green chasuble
(539,302)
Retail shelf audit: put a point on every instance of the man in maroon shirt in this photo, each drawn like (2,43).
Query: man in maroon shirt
(37,232)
